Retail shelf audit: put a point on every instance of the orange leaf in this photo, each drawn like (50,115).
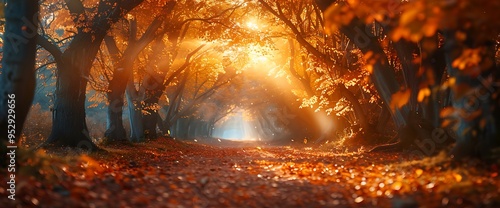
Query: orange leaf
(423,93)
(399,99)
(447,112)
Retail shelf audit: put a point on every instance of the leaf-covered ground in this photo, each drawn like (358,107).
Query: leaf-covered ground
(169,173)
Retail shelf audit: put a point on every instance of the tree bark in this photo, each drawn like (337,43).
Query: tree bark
(17,78)
(69,126)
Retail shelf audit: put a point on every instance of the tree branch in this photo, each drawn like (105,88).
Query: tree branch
(303,42)
(184,66)
(50,47)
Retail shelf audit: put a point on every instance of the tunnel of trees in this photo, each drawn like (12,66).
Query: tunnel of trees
(392,76)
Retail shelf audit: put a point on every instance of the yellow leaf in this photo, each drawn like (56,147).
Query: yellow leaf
(399,99)
(457,177)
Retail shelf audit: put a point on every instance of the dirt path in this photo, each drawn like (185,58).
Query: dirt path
(167,173)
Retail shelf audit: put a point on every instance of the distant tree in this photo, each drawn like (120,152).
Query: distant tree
(17,78)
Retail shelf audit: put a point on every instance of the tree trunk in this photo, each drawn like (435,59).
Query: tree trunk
(134,101)
(17,78)
(69,126)
(122,70)
(356,106)
(114,125)
(180,128)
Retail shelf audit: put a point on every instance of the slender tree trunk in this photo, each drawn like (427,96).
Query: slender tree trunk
(134,100)
(17,78)
(116,89)
(135,118)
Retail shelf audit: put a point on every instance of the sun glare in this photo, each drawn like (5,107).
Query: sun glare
(252,25)
(236,127)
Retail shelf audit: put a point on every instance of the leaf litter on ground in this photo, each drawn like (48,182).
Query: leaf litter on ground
(171,173)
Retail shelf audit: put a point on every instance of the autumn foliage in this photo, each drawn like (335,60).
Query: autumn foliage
(339,103)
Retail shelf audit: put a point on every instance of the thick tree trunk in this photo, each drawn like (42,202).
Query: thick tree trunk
(69,126)
(17,78)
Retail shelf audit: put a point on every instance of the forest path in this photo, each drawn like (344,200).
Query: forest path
(169,173)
